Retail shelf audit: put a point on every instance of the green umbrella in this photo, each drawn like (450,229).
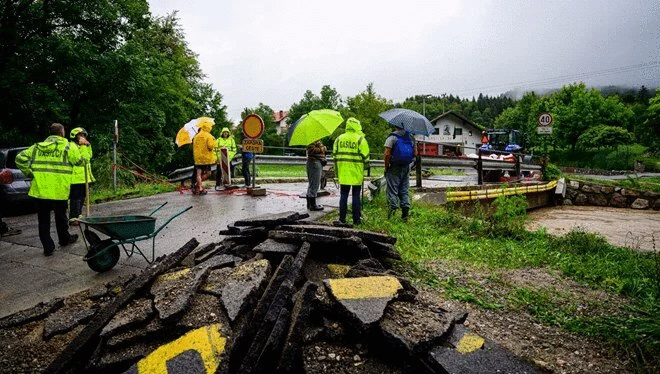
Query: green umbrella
(313,126)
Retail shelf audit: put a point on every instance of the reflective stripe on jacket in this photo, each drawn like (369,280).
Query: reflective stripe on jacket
(79,171)
(50,163)
(350,153)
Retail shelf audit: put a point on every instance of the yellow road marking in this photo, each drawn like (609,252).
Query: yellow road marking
(470,343)
(364,288)
(339,270)
(206,340)
(174,275)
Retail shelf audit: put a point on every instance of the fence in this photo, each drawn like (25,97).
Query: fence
(447,162)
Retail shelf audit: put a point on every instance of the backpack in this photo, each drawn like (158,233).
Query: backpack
(402,151)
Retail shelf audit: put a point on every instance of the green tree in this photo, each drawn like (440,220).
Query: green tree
(88,63)
(577,109)
(365,107)
(604,137)
(328,98)
(653,121)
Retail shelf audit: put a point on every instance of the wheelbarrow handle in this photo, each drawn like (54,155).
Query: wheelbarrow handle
(170,220)
(157,209)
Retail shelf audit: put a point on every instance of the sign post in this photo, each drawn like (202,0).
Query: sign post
(544,121)
(253,128)
(114,157)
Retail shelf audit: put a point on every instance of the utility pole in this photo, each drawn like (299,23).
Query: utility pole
(418,159)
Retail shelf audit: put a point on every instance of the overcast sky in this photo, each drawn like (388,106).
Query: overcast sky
(271,52)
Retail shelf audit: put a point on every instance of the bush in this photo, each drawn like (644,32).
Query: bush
(651,164)
(508,216)
(551,172)
(620,158)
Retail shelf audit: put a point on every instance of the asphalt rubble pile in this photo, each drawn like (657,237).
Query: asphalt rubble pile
(277,294)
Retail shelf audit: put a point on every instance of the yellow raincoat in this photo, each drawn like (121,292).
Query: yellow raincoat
(204,145)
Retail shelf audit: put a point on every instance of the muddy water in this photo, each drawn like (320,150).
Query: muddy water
(635,229)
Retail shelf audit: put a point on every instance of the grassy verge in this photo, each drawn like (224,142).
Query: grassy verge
(467,257)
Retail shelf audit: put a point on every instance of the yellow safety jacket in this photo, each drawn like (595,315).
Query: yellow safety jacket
(350,152)
(228,143)
(50,163)
(79,171)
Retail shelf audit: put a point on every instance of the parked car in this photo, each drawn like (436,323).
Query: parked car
(14,191)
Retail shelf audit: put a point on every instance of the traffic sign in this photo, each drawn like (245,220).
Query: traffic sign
(253,145)
(545,119)
(546,130)
(253,126)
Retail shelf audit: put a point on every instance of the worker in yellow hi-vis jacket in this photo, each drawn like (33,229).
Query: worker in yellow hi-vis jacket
(50,163)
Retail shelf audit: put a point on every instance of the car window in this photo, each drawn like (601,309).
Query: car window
(11,158)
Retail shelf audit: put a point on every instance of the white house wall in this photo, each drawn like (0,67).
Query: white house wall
(468,142)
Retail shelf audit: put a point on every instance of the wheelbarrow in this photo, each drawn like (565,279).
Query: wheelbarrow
(103,255)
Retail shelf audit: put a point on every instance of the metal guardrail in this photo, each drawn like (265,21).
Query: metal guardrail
(462,163)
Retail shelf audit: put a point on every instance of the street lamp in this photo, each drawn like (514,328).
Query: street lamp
(424,104)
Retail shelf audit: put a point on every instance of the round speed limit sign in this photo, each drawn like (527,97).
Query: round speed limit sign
(545,119)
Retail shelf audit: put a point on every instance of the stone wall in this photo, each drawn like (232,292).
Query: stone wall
(588,193)
(588,171)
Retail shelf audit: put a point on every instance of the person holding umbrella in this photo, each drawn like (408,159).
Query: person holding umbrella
(351,153)
(315,162)
(400,152)
(204,154)
(309,130)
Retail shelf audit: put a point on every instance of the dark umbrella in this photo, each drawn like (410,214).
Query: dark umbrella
(408,120)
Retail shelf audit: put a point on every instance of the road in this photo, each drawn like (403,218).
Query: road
(27,277)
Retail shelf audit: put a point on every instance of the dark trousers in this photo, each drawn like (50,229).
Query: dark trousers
(76,200)
(44,207)
(246,169)
(3,226)
(344,189)
(193,179)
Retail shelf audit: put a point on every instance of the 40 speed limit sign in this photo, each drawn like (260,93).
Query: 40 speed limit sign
(544,120)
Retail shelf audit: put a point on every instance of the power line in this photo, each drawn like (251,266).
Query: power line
(571,77)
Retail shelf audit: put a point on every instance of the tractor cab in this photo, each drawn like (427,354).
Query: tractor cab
(505,140)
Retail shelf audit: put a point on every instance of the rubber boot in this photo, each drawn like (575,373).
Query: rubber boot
(313,206)
(404,214)
(309,206)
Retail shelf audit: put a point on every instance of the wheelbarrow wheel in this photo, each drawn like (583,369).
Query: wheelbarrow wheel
(107,259)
